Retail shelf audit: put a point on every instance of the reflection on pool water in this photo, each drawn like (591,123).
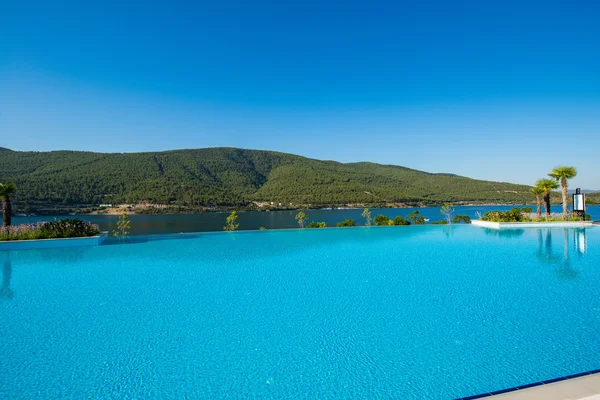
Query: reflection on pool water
(433,312)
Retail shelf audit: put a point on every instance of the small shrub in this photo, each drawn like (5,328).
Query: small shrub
(440,222)
(317,225)
(123,226)
(447,210)
(514,215)
(465,219)
(400,221)
(231,222)
(381,220)
(416,218)
(367,216)
(348,222)
(70,227)
(301,217)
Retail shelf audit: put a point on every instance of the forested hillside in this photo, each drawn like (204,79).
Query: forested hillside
(221,177)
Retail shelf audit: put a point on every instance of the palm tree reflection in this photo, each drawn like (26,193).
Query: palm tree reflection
(6,291)
(545,253)
(565,269)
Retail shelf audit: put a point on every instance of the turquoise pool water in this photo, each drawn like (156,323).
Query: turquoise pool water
(425,312)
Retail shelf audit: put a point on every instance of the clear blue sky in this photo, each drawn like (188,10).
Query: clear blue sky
(491,90)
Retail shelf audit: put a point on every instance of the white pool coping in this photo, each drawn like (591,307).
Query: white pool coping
(518,225)
(580,388)
(53,243)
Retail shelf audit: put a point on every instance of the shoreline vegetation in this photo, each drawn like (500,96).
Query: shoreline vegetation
(526,214)
(66,228)
(160,209)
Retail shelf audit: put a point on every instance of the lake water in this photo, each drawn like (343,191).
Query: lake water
(207,222)
(419,312)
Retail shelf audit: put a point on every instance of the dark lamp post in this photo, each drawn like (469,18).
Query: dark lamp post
(579,203)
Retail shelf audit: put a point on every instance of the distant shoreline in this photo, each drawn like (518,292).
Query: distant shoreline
(113,211)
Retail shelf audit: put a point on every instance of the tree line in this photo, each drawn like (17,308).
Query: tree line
(414,218)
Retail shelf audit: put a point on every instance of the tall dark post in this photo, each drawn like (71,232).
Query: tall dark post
(579,204)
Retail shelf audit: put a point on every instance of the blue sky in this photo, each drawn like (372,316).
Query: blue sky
(491,90)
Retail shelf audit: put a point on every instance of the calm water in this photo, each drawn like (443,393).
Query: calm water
(425,312)
(157,224)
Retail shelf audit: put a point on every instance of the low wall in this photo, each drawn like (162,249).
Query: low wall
(53,243)
(513,225)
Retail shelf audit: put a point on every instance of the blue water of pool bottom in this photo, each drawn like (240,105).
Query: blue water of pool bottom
(431,312)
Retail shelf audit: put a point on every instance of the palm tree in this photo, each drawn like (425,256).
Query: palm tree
(547,185)
(5,192)
(538,192)
(562,175)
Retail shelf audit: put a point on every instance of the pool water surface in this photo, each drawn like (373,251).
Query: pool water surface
(423,312)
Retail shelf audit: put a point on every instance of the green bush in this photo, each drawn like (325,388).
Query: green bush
(70,227)
(400,221)
(231,223)
(123,226)
(416,218)
(381,220)
(461,219)
(514,215)
(440,222)
(348,222)
(317,225)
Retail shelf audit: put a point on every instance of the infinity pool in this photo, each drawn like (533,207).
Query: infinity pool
(431,312)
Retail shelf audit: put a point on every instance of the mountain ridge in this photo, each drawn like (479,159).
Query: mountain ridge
(221,177)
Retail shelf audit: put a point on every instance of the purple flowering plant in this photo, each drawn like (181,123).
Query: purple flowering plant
(49,230)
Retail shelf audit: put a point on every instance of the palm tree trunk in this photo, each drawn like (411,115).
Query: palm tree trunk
(547,203)
(538,200)
(6,211)
(563,185)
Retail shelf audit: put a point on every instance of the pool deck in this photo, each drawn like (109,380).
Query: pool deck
(519,225)
(585,387)
(53,243)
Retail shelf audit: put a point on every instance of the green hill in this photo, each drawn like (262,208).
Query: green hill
(228,177)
